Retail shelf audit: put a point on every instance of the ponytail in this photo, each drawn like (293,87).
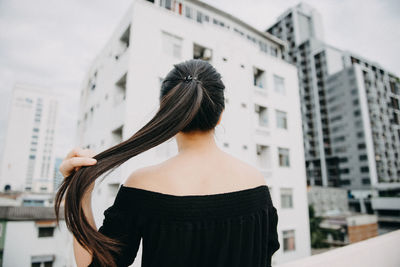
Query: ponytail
(182,108)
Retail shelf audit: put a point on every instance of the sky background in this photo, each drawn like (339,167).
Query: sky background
(49,43)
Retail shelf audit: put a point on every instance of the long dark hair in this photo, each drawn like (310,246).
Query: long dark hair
(186,105)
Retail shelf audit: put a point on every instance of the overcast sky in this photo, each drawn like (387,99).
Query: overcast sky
(51,43)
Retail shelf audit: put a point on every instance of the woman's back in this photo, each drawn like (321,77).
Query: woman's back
(197,173)
(217,213)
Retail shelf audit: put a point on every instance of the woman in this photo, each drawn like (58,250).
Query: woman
(202,207)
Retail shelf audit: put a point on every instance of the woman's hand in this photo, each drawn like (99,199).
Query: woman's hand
(76,158)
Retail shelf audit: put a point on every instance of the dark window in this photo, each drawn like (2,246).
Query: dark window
(364,169)
(46,231)
(366,181)
(363,157)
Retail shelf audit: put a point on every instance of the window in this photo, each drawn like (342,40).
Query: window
(45,231)
(124,38)
(363,157)
(288,240)
(283,157)
(172,45)
(263,156)
(121,90)
(339,138)
(340,149)
(274,51)
(364,169)
(279,84)
(361,146)
(188,12)
(286,198)
(42,264)
(281,119)
(259,77)
(201,52)
(199,17)
(345,170)
(366,181)
(262,115)
(166,4)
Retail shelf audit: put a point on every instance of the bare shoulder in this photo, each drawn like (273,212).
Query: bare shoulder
(142,177)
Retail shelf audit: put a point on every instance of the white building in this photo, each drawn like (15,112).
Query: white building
(261,123)
(28,158)
(29,237)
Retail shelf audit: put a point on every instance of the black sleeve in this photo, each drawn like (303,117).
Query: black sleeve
(125,227)
(273,240)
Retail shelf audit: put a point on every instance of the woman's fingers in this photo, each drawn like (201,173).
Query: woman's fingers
(80,152)
(70,164)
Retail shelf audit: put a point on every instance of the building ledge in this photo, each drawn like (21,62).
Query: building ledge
(377,251)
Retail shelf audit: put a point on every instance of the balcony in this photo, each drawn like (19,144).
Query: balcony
(377,251)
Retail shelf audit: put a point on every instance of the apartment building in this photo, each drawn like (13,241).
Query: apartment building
(261,123)
(29,237)
(350,111)
(28,157)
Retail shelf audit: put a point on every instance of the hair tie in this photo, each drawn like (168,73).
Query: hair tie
(190,78)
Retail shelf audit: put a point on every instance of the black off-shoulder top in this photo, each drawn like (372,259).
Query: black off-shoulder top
(232,229)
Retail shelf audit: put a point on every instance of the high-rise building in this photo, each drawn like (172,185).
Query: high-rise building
(28,158)
(58,177)
(351,115)
(261,123)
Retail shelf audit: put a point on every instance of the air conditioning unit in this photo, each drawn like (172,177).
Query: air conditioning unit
(207,54)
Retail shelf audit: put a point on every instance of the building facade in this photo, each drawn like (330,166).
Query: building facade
(30,237)
(261,123)
(350,111)
(28,157)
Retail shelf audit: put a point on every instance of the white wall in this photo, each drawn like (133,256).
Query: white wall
(22,242)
